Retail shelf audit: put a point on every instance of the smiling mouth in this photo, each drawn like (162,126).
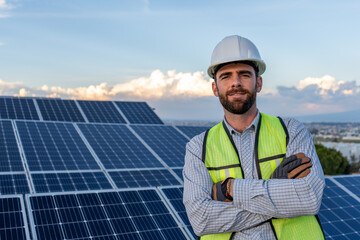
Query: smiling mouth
(237,94)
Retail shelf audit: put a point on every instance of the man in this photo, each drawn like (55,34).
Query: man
(253,176)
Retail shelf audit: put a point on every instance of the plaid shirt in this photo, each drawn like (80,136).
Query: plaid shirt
(255,201)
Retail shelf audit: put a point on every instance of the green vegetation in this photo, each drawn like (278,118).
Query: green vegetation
(334,163)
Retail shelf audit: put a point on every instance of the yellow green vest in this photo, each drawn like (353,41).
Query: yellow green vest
(222,161)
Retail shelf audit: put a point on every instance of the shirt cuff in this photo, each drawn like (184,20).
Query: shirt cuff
(245,191)
(241,192)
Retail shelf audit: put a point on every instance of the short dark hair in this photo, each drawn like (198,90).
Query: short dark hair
(250,63)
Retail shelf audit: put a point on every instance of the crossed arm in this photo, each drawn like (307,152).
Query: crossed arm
(254,201)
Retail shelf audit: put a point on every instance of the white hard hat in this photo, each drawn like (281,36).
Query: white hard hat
(233,49)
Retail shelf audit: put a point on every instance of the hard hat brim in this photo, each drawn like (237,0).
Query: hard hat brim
(259,63)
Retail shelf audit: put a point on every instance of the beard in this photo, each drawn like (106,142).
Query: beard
(238,106)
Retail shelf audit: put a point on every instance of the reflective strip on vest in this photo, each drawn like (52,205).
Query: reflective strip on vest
(222,161)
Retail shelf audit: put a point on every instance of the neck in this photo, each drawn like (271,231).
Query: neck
(241,121)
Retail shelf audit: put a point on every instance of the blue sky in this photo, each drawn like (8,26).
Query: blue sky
(158,51)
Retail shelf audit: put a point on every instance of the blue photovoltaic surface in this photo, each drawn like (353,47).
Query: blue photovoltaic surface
(352,183)
(166,141)
(117,147)
(59,110)
(74,181)
(101,112)
(18,108)
(175,196)
(178,172)
(50,146)
(13,184)
(143,178)
(192,131)
(339,213)
(129,215)
(10,160)
(12,221)
(138,112)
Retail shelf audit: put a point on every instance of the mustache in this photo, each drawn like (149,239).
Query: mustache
(237,90)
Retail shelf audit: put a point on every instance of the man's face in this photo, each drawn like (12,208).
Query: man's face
(236,86)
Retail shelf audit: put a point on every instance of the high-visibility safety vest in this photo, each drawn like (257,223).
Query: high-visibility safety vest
(222,161)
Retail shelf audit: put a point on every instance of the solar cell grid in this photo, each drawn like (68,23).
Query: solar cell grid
(59,110)
(139,214)
(101,112)
(175,195)
(50,146)
(13,224)
(350,182)
(65,182)
(339,213)
(192,131)
(18,108)
(117,147)
(143,178)
(178,172)
(10,160)
(138,112)
(166,141)
(13,184)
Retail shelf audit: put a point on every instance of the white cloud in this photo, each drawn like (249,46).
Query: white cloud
(158,85)
(2,3)
(189,95)
(4,9)
(314,96)
(326,84)
(169,85)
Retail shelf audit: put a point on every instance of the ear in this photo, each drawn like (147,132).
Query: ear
(259,84)
(214,88)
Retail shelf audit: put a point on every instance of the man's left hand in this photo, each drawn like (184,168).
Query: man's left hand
(221,191)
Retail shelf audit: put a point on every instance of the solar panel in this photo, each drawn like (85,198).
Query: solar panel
(13,224)
(143,178)
(117,147)
(350,182)
(70,181)
(339,213)
(178,172)
(192,131)
(10,160)
(50,146)
(166,141)
(18,108)
(59,110)
(134,214)
(174,195)
(13,184)
(101,112)
(139,112)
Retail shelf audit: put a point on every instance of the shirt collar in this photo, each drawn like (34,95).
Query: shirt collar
(253,125)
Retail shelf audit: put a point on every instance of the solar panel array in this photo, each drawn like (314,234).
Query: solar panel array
(340,211)
(59,110)
(111,170)
(13,224)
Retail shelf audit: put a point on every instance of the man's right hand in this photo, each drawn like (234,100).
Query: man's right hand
(293,167)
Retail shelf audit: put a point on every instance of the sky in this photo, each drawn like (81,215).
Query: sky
(159,51)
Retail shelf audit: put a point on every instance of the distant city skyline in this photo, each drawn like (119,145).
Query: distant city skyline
(158,52)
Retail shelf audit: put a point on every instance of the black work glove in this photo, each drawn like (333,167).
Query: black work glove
(293,167)
(219,191)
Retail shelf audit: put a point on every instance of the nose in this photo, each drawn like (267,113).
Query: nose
(236,81)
